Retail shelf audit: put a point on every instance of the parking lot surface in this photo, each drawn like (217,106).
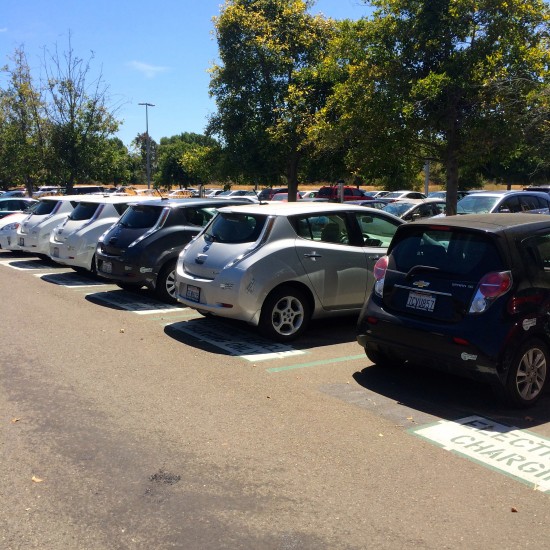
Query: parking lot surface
(129,423)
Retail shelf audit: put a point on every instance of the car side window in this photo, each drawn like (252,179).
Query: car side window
(510,205)
(376,230)
(330,228)
(538,251)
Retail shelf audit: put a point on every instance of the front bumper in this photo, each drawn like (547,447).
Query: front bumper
(120,270)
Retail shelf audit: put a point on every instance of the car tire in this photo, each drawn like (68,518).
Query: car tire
(285,314)
(378,358)
(129,287)
(527,374)
(165,288)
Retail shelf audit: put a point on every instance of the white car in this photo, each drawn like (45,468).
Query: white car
(406,194)
(277,265)
(73,242)
(8,230)
(33,235)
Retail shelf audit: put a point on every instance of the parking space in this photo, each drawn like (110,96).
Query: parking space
(446,411)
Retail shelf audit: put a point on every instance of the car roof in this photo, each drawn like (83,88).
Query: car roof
(279,208)
(179,203)
(108,198)
(508,193)
(489,222)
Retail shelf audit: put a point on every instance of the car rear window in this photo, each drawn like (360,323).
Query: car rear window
(141,216)
(229,227)
(466,253)
(83,211)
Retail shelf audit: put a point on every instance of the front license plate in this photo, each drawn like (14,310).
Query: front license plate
(56,252)
(107,267)
(21,241)
(193,293)
(421,301)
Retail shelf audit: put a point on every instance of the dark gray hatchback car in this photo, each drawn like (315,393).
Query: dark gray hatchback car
(467,294)
(141,249)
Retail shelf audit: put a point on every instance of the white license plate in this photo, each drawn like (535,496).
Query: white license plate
(193,293)
(56,252)
(21,241)
(421,301)
(107,267)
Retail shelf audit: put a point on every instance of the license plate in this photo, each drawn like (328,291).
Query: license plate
(107,267)
(193,293)
(21,241)
(421,301)
(56,252)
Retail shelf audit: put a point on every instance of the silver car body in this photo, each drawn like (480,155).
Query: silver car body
(74,240)
(233,279)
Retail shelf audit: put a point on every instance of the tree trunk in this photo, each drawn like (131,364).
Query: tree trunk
(451,161)
(292,175)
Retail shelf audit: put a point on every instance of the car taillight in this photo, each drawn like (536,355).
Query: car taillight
(379,272)
(492,286)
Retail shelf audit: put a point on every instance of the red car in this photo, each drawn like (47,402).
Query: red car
(331,193)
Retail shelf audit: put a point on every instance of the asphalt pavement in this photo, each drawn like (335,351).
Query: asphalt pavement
(127,423)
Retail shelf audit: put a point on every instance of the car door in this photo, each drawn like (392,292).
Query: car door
(333,259)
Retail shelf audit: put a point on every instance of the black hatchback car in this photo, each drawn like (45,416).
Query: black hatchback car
(141,249)
(467,294)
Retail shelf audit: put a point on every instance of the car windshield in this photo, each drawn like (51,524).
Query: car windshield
(140,216)
(393,195)
(472,204)
(398,208)
(229,227)
(44,208)
(83,211)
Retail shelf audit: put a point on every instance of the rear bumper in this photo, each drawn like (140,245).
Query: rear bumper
(464,349)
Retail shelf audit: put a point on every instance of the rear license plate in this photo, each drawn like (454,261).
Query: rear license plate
(107,267)
(193,293)
(56,252)
(421,301)
(21,241)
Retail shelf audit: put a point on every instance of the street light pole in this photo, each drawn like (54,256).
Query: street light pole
(147,105)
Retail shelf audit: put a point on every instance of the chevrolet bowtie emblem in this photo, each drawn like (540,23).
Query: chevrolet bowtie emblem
(421,284)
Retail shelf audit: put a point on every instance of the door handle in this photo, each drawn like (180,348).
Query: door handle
(313,255)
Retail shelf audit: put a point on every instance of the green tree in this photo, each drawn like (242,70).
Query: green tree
(80,116)
(23,135)
(140,147)
(453,81)
(267,89)
(171,170)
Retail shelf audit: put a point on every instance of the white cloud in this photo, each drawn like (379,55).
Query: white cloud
(149,71)
(4,29)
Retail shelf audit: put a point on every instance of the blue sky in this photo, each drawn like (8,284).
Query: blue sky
(155,52)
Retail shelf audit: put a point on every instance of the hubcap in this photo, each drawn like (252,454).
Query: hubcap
(531,374)
(171,283)
(288,315)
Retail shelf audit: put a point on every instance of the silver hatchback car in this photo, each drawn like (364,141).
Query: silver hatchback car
(277,266)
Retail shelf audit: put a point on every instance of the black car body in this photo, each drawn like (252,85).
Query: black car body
(467,294)
(141,249)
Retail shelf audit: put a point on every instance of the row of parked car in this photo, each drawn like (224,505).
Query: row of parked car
(470,294)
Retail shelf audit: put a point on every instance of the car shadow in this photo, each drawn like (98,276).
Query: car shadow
(447,396)
(216,334)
